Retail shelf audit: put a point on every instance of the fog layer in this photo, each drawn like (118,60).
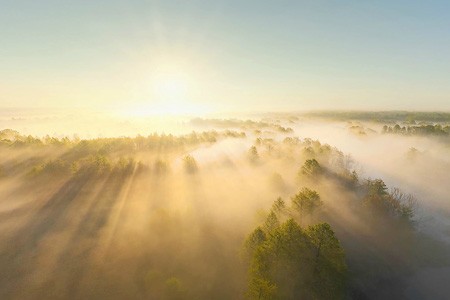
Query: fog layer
(161,216)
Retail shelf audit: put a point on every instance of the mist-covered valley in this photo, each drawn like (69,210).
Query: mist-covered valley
(328,205)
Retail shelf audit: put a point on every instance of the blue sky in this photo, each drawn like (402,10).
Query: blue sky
(232,55)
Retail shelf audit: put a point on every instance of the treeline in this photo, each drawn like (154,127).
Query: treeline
(372,193)
(290,149)
(12,138)
(68,156)
(102,165)
(436,129)
(242,124)
(382,116)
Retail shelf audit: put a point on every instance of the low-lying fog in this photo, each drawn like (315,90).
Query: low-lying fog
(170,228)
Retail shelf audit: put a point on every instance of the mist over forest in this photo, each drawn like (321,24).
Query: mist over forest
(227,149)
(318,205)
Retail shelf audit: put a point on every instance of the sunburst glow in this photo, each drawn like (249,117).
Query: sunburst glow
(224,149)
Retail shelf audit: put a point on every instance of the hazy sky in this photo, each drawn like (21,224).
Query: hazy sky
(189,56)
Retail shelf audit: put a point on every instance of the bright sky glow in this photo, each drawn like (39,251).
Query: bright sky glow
(191,56)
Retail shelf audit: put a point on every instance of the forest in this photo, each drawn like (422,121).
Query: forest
(236,209)
(224,150)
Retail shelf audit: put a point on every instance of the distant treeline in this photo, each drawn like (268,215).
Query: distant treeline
(242,124)
(418,129)
(383,116)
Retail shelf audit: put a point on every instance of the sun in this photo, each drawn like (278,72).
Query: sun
(171,93)
(171,88)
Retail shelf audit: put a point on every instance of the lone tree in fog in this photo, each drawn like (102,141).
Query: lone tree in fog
(190,164)
(311,167)
(253,155)
(306,202)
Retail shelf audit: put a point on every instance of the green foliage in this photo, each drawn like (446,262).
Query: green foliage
(234,134)
(105,146)
(354,177)
(271,223)
(174,289)
(260,288)
(99,163)
(285,260)
(347,178)
(376,188)
(306,202)
(309,151)
(282,129)
(125,165)
(74,167)
(296,264)
(51,167)
(160,167)
(376,197)
(103,155)
(329,262)
(291,141)
(279,206)
(380,202)
(279,263)
(253,155)
(9,135)
(311,167)
(402,205)
(190,164)
(256,126)
(436,129)
(391,116)
(254,240)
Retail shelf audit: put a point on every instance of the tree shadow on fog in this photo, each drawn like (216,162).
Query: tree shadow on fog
(21,247)
(21,256)
(74,261)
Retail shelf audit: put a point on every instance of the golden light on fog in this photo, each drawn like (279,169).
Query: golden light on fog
(224,150)
(171,92)
(171,88)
